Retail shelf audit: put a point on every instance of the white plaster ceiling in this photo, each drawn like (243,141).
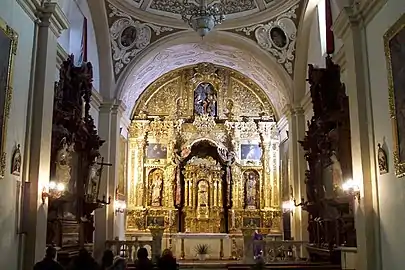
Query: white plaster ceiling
(177,56)
(167,12)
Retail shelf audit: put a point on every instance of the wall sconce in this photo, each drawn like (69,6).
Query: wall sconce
(55,191)
(288,206)
(352,188)
(119,206)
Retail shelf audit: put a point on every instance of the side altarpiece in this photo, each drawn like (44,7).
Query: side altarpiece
(203,155)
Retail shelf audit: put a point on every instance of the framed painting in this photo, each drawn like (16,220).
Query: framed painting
(156,151)
(251,152)
(8,50)
(394,46)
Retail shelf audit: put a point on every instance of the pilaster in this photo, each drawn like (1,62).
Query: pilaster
(350,27)
(296,122)
(109,130)
(50,22)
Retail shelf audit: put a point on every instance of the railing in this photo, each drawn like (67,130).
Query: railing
(128,248)
(274,251)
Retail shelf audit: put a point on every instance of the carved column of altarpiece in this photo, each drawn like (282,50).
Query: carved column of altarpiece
(203,155)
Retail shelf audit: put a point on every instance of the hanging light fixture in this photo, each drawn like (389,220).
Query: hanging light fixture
(203,17)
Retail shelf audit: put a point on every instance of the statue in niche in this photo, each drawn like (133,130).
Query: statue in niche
(94,177)
(63,163)
(156,187)
(337,175)
(205,100)
(382,160)
(16,162)
(251,180)
(202,193)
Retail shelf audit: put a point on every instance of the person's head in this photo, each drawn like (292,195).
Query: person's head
(142,253)
(50,253)
(108,258)
(83,254)
(119,263)
(167,253)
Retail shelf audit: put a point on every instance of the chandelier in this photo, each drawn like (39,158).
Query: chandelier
(203,17)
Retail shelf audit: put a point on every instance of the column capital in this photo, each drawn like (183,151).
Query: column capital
(360,13)
(112,106)
(51,15)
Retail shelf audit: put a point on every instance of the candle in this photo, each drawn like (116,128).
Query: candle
(233,218)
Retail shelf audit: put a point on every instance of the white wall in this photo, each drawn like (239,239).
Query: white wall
(391,189)
(71,39)
(16,18)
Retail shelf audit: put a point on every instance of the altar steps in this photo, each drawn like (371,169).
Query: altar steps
(240,266)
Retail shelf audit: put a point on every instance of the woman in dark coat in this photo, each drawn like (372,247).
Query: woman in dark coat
(167,261)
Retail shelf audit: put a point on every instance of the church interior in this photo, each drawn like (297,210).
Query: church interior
(224,131)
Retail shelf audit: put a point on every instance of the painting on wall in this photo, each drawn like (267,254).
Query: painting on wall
(156,151)
(251,222)
(394,44)
(251,152)
(152,221)
(122,171)
(8,49)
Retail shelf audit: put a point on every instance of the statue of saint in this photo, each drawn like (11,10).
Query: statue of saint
(205,100)
(202,193)
(63,160)
(94,177)
(250,189)
(157,185)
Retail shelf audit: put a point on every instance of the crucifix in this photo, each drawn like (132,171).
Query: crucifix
(100,171)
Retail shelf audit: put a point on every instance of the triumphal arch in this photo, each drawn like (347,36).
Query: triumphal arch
(203,157)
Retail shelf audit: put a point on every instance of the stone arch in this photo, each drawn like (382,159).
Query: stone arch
(260,66)
(99,18)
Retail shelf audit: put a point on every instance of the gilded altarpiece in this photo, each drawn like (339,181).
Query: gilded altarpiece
(204,153)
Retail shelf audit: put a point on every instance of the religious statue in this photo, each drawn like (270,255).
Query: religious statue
(337,176)
(176,159)
(94,177)
(382,160)
(228,157)
(16,162)
(157,186)
(202,193)
(251,179)
(205,100)
(63,164)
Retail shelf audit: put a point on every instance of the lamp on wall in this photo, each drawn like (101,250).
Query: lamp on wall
(55,191)
(352,188)
(119,206)
(288,206)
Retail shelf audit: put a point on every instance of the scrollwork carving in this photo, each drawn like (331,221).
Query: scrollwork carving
(278,37)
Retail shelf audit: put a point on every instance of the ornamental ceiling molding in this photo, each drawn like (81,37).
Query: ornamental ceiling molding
(276,36)
(129,36)
(240,12)
(190,54)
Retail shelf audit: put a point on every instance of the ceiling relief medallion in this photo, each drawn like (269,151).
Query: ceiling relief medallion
(278,36)
(176,6)
(130,36)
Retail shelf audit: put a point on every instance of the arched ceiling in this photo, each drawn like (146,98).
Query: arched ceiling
(238,12)
(217,48)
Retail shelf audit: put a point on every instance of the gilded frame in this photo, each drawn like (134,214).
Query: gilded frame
(10,34)
(388,36)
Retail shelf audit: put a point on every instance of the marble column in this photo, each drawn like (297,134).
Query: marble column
(350,28)
(296,123)
(109,130)
(50,22)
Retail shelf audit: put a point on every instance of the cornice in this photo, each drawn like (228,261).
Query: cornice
(30,8)
(306,102)
(113,106)
(271,12)
(340,58)
(359,14)
(61,55)
(282,123)
(96,99)
(51,14)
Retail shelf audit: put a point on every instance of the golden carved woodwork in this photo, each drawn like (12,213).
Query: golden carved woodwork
(164,115)
(173,93)
(122,170)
